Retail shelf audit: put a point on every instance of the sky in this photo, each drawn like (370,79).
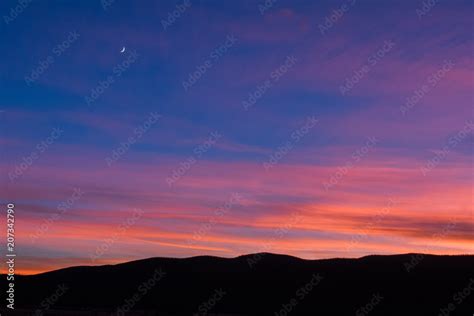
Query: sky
(321,129)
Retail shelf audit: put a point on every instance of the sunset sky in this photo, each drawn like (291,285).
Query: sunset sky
(336,129)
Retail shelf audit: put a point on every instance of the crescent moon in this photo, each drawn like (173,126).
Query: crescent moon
(123,49)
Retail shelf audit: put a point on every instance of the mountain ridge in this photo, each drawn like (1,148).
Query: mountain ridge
(259,284)
(247,256)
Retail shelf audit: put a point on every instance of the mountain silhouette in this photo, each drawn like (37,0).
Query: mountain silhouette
(256,284)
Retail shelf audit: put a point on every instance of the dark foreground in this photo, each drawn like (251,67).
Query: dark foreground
(261,284)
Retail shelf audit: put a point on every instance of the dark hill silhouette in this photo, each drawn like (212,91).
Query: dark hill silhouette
(259,284)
